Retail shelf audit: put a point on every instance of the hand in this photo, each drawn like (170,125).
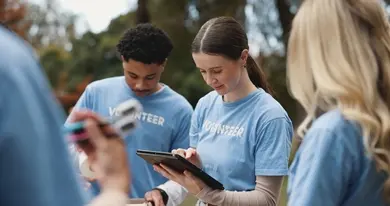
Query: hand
(107,155)
(193,184)
(155,197)
(190,154)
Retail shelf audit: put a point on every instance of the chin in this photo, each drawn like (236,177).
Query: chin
(222,92)
(141,94)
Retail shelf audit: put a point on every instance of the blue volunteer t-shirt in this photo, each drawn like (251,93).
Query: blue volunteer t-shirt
(163,125)
(35,166)
(331,167)
(240,140)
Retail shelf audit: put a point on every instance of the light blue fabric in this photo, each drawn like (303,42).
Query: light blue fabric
(35,168)
(331,168)
(240,140)
(163,125)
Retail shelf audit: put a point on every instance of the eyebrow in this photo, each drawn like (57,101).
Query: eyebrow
(216,67)
(138,75)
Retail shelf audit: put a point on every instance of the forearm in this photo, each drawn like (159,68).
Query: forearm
(265,194)
(175,191)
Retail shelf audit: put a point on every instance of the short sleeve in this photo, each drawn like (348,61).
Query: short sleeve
(84,102)
(195,125)
(273,147)
(320,170)
(181,139)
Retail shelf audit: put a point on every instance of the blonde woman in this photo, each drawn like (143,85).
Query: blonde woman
(339,70)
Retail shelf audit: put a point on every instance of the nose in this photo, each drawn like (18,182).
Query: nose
(140,85)
(210,80)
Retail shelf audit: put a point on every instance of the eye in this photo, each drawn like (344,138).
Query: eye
(150,77)
(217,71)
(133,76)
(202,71)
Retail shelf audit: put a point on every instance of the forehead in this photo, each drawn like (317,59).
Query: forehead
(206,61)
(140,68)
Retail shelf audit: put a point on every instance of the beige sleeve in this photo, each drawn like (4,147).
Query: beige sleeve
(266,193)
(110,198)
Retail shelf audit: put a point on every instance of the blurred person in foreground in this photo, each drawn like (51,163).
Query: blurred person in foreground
(165,121)
(338,69)
(34,159)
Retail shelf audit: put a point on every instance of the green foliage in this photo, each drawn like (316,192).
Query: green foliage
(95,53)
(54,61)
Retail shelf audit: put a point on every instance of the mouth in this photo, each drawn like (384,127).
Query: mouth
(140,92)
(218,88)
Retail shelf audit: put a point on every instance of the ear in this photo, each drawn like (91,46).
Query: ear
(244,56)
(164,64)
(123,58)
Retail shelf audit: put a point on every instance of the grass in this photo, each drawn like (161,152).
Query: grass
(190,201)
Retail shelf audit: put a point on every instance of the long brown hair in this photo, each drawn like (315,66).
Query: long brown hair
(226,37)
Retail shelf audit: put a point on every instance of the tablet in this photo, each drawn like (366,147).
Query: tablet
(179,164)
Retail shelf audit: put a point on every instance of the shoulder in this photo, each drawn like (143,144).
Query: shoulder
(16,56)
(19,66)
(268,108)
(331,131)
(333,122)
(179,102)
(207,100)
(105,84)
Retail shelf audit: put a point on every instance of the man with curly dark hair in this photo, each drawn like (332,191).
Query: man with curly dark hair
(165,120)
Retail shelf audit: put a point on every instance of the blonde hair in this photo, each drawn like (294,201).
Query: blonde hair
(339,57)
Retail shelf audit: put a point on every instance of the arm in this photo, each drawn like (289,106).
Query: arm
(320,170)
(265,194)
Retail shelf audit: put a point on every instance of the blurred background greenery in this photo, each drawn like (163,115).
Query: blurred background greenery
(73,60)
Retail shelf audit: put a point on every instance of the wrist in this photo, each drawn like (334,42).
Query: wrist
(116,184)
(110,197)
(164,195)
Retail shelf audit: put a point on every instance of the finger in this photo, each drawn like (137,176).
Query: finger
(82,115)
(95,134)
(163,172)
(188,174)
(88,149)
(190,152)
(170,171)
(148,196)
(180,152)
(157,200)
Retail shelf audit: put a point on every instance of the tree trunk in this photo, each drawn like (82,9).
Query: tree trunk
(142,14)
(285,18)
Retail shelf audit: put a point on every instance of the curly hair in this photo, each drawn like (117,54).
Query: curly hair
(145,43)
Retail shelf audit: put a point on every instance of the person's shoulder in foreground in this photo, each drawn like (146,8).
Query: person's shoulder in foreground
(33,155)
(331,166)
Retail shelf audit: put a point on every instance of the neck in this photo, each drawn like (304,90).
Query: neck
(158,87)
(243,89)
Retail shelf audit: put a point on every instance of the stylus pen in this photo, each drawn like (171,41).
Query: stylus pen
(79,127)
